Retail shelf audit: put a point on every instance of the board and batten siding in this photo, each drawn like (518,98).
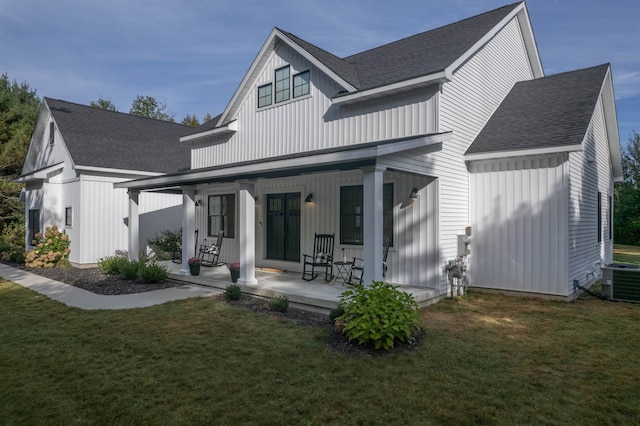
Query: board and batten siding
(412,261)
(466,103)
(590,173)
(311,122)
(519,214)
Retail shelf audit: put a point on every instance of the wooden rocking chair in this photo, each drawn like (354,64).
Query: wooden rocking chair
(322,258)
(357,272)
(209,254)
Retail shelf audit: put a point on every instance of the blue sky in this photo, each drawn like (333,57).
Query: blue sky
(193,54)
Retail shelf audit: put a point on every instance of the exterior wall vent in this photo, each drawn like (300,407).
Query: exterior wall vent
(621,282)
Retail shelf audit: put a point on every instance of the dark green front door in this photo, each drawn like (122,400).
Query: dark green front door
(283,226)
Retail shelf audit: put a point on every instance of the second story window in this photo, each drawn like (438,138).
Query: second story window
(283,84)
(301,84)
(264,95)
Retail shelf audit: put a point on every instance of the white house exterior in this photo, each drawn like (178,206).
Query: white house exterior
(76,155)
(355,136)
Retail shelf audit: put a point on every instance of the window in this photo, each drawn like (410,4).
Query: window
(283,84)
(34,224)
(599,216)
(264,95)
(52,133)
(68,216)
(351,213)
(222,215)
(301,84)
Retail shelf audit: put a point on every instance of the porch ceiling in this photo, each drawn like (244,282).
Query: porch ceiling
(339,158)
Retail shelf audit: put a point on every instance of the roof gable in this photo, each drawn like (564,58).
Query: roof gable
(101,138)
(429,53)
(549,113)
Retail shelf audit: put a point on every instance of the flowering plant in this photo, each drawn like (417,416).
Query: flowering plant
(235,266)
(51,249)
(194,261)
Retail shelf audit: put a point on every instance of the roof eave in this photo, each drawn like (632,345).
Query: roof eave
(40,174)
(232,127)
(349,154)
(493,155)
(427,80)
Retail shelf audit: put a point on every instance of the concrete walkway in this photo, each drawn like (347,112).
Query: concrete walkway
(83,299)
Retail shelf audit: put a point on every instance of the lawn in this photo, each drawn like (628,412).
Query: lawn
(486,359)
(626,254)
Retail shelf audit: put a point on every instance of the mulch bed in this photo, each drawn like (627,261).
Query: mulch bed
(96,281)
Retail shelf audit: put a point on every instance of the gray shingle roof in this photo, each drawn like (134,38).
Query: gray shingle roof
(547,112)
(100,138)
(419,55)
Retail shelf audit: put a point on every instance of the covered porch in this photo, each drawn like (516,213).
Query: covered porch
(407,214)
(316,295)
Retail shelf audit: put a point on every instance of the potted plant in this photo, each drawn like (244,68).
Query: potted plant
(234,268)
(194,265)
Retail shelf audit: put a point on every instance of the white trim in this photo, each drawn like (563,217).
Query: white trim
(232,127)
(117,171)
(496,155)
(439,77)
(40,174)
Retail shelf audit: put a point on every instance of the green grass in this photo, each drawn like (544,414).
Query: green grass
(486,359)
(626,254)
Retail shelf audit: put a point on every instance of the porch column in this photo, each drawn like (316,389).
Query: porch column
(247,233)
(134,224)
(372,181)
(188,228)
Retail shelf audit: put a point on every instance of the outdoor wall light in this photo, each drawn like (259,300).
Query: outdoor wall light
(198,203)
(309,198)
(414,194)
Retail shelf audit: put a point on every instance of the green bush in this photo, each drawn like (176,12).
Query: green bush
(380,315)
(12,242)
(233,292)
(168,241)
(153,272)
(129,269)
(112,265)
(51,249)
(336,312)
(280,304)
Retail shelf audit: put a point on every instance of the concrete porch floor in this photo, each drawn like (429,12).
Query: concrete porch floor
(317,295)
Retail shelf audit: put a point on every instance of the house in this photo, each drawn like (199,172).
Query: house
(451,144)
(75,156)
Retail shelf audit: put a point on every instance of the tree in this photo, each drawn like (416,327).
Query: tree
(147,106)
(207,117)
(104,104)
(19,107)
(627,196)
(190,120)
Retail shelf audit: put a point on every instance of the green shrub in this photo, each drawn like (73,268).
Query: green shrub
(233,292)
(380,315)
(112,265)
(336,312)
(12,242)
(129,269)
(280,304)
(51,249)
(168,241)
(153,272)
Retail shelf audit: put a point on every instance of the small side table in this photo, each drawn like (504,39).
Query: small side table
(342,271)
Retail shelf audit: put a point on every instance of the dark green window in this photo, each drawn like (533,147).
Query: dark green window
(352,211)
(599,216)
(264,95)
(222,215)
(34,225)
(301,84)
(283,84)
(68,216)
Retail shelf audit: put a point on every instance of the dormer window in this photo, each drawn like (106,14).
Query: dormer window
(283,84)
(52,133)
